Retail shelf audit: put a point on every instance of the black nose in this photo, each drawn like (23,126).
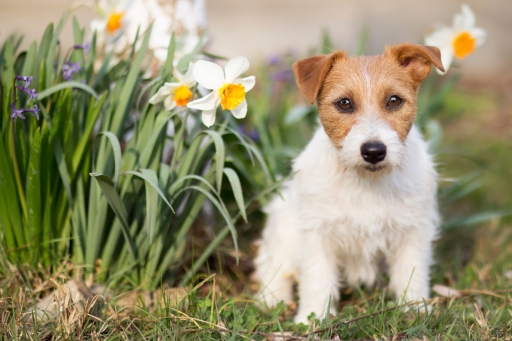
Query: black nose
(373,152)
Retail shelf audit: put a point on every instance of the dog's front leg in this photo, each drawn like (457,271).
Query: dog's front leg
(409,267)
(318,276)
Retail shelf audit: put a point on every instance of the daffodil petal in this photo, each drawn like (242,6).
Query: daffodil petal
(208,117)
(169,103)
(178,75)
(235,67)
(208,102)
(160,95)
(440,37)
(467,18)
(188,78)
(446,58)
(208,74)
(247,82)
(241,110)
(479,34)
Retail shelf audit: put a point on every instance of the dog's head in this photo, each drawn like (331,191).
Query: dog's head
(367,105)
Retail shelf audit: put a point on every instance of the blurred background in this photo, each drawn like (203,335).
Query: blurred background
(259,28)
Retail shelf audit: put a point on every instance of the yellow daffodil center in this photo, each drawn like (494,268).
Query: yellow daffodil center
(182,95)
(114,22)
(463,44)
(231,96)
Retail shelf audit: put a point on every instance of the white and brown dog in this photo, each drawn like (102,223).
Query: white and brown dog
(365,189)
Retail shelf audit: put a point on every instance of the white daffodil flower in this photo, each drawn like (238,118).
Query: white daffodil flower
(119,21)
(113,22)
(176,94)
(459,40)
(228,90)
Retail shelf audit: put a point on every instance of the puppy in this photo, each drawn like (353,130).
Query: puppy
(364,194)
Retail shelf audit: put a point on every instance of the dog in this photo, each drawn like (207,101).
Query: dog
(364,192)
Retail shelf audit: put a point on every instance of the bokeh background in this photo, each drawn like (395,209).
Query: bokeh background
(259,28)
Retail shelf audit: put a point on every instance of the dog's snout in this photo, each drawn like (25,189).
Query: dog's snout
(373,152)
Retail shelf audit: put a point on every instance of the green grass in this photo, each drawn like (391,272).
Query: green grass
(220,307)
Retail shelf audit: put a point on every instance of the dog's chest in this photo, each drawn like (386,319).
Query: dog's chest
(350,207)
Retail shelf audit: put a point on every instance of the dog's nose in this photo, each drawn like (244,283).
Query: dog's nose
(373,152)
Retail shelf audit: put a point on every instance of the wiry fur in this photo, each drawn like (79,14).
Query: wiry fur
(342,218)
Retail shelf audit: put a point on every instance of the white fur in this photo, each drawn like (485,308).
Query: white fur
(339,222)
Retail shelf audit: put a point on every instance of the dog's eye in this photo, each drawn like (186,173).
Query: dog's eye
(344,105)
(394,102)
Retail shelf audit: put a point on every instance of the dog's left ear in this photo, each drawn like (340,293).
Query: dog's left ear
(417,59)
(310,73)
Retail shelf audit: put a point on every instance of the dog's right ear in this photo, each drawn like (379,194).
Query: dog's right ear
(310,73)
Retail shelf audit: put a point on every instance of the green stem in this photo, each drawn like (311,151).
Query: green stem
(16,166)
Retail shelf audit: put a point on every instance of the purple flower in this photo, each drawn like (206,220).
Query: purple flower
(31,92)
(86,47)
(16,112)
(274,59)
(34,110)
(69,68)
(282,75)
(27,80)
(19,112)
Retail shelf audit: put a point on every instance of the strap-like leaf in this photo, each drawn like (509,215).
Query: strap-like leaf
(237,190)
(66,85)
(115,202)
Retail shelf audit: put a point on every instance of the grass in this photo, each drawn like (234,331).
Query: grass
(218,309)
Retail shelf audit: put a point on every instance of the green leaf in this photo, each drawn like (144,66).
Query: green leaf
(151,203)
(66,85)
(237,190)
(297,113)
(83,143)
(476,219)
(8,64)
(129,86)
(168,68)
(33,192)
(116,149)
(115,202)
(220,207)
(220,155)
(143,174)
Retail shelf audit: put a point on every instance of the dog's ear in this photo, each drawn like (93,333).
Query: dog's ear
(310,73)
(417,59)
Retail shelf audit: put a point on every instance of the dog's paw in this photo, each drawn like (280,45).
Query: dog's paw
(301,318)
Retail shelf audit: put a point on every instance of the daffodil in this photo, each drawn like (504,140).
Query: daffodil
(459,40)
(228,90)
(177,93)
(120,20)
(113,22)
